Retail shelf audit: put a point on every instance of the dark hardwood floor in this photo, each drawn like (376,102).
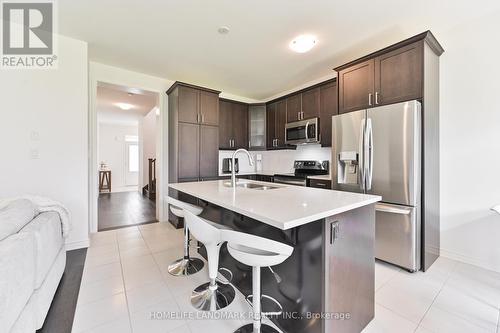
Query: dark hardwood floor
(123,209)
(62,310)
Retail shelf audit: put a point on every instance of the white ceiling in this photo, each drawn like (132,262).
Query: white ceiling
(178,40)
(108,95)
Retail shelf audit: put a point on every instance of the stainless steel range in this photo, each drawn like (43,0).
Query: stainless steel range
(302,170)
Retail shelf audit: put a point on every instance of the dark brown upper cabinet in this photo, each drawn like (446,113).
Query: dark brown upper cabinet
(281,112)
(188,103)
(240,126)
(209,108)
(398,75)
(271,125)
(310,103)
(198,106)
(391,75)
(357,87)
(233,127)
(293,108)
(225,125)
(276,121)
(327,109)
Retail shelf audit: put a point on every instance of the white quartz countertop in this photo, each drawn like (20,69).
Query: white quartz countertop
(284,207)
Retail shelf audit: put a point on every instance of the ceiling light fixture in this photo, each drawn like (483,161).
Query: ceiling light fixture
(303,43)
(124,106)
(223,30)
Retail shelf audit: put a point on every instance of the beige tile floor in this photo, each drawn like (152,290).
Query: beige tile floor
(125,280)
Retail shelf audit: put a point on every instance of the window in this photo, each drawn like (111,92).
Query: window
(133,158)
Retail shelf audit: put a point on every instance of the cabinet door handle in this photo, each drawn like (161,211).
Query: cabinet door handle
(321,184)
(198,118)
(370,99)
(376,97)
(202,118)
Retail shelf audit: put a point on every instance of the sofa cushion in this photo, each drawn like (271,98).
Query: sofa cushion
(46,228)
(14,215)
(17,277)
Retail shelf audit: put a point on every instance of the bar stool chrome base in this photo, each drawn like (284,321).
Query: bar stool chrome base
(212,298)
(186,267)
(263,329)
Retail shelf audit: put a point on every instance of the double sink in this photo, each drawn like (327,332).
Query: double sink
(253,186)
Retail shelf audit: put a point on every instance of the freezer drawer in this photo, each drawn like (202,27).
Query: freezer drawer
(397,235)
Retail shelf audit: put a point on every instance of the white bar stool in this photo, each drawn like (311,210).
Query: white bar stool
(186,265)
(257,252)
(213,295)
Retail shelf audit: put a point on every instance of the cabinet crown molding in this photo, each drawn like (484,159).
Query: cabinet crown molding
(426,36)
(184,84)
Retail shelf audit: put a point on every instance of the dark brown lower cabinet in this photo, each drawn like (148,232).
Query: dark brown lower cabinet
(189,157)
(209,152)
(320,183)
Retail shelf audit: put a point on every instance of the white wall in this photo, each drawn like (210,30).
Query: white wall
(50,104)
(148,130)
(470,142)
(112,151)
(278,161)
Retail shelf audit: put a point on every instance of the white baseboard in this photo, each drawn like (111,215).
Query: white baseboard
(77,245)
(468,260)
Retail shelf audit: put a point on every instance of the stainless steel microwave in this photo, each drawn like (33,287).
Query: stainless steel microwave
(302,131)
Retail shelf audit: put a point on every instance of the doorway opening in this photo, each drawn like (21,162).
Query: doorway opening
(127,129)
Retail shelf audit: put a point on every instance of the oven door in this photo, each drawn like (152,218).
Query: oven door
(289,180)
(304,131)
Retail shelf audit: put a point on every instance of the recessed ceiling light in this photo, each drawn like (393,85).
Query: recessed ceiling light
(303,43)
(124,106)
(223,30)
(130,94)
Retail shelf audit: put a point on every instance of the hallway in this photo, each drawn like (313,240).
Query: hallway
(124,209)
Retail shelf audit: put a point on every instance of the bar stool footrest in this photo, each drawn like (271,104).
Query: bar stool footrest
(225,280)
(270,302)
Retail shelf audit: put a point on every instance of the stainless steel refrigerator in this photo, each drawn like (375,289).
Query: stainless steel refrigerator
(378,151)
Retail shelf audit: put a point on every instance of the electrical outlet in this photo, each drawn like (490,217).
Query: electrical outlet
(34,154)
(34,136)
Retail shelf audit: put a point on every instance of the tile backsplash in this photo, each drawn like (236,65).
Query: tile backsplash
(278,161)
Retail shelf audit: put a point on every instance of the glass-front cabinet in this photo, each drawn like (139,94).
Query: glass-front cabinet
(257,127)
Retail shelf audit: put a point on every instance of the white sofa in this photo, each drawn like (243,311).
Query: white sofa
(32,262)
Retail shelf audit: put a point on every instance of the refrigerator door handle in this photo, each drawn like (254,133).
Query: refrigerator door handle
(369,154)
(361,157)
(391,209)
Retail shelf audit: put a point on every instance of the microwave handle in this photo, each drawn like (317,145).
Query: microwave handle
(307,131)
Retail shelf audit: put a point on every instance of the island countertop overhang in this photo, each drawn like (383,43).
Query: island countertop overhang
(283,207)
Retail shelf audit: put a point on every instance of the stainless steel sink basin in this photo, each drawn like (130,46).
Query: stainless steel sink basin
(252,186)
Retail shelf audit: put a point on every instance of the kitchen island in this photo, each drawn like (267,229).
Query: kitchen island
(327,285)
